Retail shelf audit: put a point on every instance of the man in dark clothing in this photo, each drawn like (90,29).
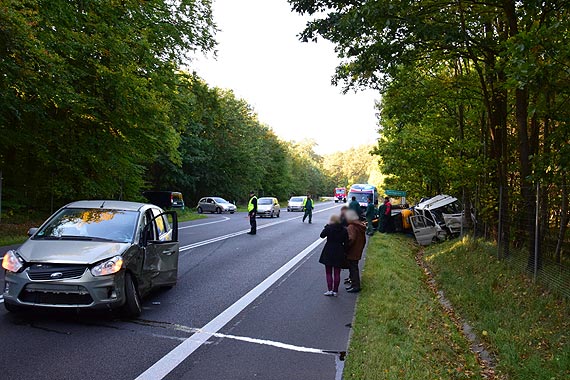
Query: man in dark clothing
(252,212)
(308,207)
(385,216)
(354,205)
(370,214)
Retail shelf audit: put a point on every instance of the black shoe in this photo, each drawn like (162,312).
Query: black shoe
(347,281)
(353,290)
(251,233)
(310,222)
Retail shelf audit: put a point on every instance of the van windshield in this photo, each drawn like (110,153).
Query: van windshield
(90,224)
(360,197)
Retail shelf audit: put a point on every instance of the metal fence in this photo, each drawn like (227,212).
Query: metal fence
(532,234)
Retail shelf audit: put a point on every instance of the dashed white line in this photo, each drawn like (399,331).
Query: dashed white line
(205,224)
(242,232)
(171,360)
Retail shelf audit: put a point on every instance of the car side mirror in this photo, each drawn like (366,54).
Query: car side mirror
(32,231)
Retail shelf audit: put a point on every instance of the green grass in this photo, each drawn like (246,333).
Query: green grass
(400,330)
(187,215)
(524,325)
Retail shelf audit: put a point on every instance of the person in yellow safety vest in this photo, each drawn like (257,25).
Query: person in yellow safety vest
(252,212)
(308,207)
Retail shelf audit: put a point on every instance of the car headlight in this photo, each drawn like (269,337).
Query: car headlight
(12,262)
(107,267)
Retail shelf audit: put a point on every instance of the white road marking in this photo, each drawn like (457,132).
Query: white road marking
(205,224)
(171,360)
(1,299)
(242,232)
(273,343)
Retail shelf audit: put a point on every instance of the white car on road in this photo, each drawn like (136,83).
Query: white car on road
(268,206)
(296,203)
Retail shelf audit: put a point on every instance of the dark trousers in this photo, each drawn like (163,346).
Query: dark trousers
(308,213)
(354,274)
(252,223)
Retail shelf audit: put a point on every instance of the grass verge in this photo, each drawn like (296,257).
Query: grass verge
(400,330)
(187,215)
(525,326)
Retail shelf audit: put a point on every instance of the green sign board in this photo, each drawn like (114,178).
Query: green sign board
(395,193)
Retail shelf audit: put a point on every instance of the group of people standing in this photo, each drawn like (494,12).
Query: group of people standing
(383,213)
(346,239)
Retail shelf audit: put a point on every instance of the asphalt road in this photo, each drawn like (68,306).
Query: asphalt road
(244,307)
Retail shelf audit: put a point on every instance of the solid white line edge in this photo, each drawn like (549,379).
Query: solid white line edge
(171,360)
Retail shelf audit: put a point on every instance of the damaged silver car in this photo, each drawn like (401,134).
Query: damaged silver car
(94,255)
(437,219)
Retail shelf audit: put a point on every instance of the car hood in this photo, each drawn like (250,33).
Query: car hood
(69,251)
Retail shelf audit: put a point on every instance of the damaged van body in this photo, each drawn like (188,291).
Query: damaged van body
(437,218)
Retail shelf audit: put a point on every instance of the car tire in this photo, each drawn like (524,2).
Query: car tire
(12,308)
(279,213)
(218,210)
(271,215)
(200,210)
(231,212)
(132,307)
(288,209)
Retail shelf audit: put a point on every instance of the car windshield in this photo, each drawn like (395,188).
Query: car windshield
(265,201)
(220,200)
(90,224)
(360,197)
(297,199)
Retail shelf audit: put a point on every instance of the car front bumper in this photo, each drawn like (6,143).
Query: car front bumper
(87,291)
(295,208)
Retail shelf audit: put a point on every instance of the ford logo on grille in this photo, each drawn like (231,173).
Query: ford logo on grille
(56,275)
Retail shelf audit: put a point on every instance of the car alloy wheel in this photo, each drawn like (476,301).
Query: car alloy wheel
(200,210)
(218,210)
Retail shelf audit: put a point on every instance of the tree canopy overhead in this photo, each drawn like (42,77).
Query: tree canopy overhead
(474,98)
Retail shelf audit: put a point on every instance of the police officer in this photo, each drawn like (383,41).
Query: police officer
(370,214)
(308,207)
(252,212)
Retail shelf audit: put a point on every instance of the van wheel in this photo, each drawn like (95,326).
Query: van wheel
(132,307)
(218,210)
(200,210)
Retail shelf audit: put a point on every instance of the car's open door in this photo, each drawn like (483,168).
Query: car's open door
(424,229)
(160,239)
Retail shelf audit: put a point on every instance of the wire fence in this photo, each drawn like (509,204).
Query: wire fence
(532,234)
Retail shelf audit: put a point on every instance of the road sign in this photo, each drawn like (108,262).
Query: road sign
(395,193)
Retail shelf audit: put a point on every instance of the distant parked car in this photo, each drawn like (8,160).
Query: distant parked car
(215,204)
(94,255)
(296,203)
(268,206)
(165,199)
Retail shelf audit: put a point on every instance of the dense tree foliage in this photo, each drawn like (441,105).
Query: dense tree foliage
(93,104)
(474,99)
(355,165)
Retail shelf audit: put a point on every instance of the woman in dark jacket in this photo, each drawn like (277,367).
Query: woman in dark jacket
(333,255)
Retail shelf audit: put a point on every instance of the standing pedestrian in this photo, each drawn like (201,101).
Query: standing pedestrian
(308,207)
(252,212)
(370,214)
(355,205)
(343,211)
(333,254)
(385,216)
(356,242)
